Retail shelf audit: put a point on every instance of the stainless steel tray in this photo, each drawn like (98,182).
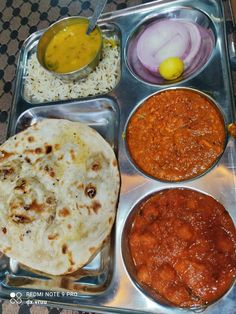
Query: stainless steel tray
(115,292)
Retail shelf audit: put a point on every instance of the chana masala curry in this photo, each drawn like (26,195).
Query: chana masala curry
(183,245)
(176,135)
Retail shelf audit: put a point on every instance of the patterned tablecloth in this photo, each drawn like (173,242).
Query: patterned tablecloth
(19,19)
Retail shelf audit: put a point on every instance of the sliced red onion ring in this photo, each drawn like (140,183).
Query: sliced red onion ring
(161,40)
(196,40)
(207,45)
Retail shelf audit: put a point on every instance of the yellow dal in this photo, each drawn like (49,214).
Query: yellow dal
(71,48)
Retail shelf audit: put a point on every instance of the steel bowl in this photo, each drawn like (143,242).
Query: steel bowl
(199,174)
(47,36)
(131,267)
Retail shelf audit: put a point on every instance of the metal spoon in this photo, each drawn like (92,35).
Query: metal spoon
(97,12)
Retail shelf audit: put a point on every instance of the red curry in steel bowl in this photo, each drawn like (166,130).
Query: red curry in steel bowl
(179,245)
(176,135)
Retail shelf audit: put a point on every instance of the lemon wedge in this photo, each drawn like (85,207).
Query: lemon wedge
(171,68)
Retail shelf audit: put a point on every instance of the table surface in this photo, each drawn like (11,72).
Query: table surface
(19,19)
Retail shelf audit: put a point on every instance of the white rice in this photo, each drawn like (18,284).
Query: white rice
(42,86)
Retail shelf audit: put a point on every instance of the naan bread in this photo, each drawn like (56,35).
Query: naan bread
(59,183)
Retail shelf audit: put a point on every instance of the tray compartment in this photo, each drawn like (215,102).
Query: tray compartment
(183,14)
(102,114)
(30,48)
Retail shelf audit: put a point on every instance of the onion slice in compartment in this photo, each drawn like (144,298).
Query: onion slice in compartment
(170,38)
(195,43)
(162,40)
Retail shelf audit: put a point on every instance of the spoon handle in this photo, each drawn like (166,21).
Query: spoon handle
(98,10)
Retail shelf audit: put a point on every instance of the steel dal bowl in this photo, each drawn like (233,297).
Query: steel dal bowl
(47,37)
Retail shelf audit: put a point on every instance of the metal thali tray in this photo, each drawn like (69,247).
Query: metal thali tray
(104,285)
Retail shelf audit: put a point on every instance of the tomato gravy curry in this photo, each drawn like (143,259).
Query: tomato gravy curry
(176,135)
(183,245)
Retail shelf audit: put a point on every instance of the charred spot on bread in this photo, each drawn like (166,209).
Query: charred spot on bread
(21,185)
(38,150)
(48,149)
(4,155)
(27,159)
(50,200)
(90,191)
(57,146)
(72,153)
(52,174)
(92,250)
(52,236)
(64,249)
(95,206)
(21,219)
(30,139)
(50,171)
(96,166)
(6,172)
(64,212)
(37,207)
(4,230)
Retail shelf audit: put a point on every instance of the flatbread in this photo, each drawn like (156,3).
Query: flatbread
(59,184)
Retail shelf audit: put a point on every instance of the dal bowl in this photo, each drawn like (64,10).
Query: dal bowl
(67,51)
